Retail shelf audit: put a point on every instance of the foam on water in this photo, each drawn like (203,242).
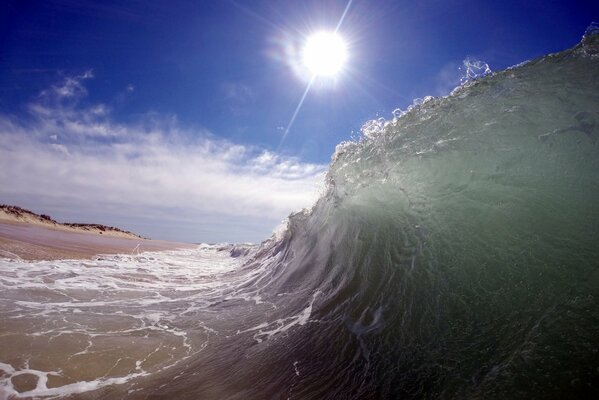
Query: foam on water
(281,325)
(90,308)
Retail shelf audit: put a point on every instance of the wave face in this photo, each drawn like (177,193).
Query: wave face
(455,254)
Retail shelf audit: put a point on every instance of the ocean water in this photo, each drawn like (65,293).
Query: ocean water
(454,255)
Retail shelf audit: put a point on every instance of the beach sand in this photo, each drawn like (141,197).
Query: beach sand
(33,241)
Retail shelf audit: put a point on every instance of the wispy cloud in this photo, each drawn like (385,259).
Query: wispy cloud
(238,96)
(70,159)
(70,88)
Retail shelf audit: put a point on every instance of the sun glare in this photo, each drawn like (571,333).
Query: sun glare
(325,54)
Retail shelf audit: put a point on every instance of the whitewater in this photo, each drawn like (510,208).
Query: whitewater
(454,254)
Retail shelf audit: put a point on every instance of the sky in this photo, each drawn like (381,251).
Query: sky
(172,118)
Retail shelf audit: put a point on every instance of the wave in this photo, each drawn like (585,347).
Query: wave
(455,252)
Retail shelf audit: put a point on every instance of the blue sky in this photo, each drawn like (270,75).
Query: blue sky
(166,117)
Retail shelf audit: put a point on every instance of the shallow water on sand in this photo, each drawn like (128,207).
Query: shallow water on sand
(72,326)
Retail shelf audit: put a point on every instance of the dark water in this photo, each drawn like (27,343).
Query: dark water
(454,255)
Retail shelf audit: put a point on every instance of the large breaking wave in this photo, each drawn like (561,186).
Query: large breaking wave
(455,254)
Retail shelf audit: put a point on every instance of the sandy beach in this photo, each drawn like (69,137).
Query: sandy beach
(31,238)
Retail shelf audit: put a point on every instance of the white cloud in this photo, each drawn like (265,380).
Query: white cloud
(66,157)
(70,87)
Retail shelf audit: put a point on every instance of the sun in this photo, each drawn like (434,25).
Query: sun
(325,54)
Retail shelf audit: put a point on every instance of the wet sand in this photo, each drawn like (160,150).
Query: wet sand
(34,242)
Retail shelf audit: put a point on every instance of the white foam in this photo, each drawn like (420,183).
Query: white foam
(138,294)
(283,324)
(297,373)
(144,296)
